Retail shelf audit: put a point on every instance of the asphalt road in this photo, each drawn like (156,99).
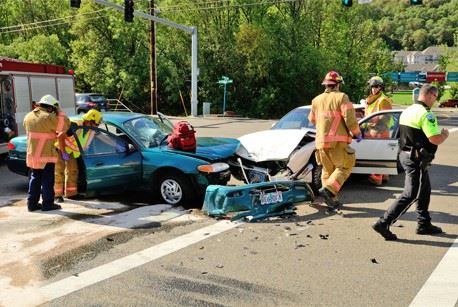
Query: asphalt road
(311,259)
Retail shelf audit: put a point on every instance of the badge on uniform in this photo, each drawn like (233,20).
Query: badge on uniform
(431,118)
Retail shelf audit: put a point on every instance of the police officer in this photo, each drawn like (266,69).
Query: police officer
(334,116)
(41,126)
(420,136)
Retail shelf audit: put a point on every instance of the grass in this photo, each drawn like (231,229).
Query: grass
(405,98)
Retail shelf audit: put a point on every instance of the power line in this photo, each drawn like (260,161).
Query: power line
(182,8)
(12,28)
(173,8)
(24,28)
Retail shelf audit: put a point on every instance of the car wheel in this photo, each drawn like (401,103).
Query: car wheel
(174,189)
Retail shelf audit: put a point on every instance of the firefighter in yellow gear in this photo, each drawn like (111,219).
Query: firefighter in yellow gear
(379,126)
(66,173)
(334,117)
(41,125)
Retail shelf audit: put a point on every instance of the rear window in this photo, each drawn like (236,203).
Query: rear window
(97,98)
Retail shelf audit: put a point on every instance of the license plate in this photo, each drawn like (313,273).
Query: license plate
(270,198)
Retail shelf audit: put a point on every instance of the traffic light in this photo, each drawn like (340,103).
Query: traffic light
(347,3)
(75,3)
(129,10)
(416,2)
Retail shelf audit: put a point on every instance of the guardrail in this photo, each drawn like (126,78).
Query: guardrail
(117,106)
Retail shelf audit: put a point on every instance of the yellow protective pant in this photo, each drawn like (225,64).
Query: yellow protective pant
(337,164)
(66,177)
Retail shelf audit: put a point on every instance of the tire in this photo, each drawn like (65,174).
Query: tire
(316,178)
(174,189)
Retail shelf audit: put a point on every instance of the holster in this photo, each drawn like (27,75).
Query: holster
(426,158)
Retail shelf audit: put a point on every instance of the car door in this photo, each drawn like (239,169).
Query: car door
(377,153)
(110,164)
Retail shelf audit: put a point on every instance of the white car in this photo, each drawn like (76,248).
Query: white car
(293,138)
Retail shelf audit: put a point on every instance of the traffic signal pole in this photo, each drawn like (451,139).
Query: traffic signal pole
(152,60)
(191,30)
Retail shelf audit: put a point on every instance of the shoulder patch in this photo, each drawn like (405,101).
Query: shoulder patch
(430,117)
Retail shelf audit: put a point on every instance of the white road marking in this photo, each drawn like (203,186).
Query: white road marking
(441,288)
(453,130)
(38,296)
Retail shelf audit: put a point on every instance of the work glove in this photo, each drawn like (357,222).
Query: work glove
(65,156)
(359,138)
(120,148)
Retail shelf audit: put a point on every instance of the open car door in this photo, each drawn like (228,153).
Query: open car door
(378,154)
(110,164)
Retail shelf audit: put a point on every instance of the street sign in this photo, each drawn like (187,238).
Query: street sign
(434,76)
(408,77)
(452,77)
(224,81)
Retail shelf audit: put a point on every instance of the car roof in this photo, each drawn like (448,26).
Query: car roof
(117,117)
(88,94)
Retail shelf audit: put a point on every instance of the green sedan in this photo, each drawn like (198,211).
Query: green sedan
(129,152)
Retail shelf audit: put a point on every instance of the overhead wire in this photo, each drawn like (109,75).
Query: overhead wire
(184,7)
(173,8)
(47,23)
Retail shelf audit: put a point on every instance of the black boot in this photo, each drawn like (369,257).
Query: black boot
(51,207)
(428,229)
(383,229)
(328,198)
(32,208)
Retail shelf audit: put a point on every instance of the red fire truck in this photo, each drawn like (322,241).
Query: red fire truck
(22,84)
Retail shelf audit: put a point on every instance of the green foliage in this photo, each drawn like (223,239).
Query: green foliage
(454,90)
(276,52)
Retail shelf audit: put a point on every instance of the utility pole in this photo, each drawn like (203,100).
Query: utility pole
(152,60)
(190,30)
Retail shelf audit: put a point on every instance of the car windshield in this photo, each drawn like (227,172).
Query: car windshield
(295,119)
(148,130)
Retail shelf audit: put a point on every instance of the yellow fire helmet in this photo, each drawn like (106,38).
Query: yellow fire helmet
(93,115)
(375,80)
(49,100)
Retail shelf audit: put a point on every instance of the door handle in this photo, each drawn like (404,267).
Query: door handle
(99,163)
(392,144)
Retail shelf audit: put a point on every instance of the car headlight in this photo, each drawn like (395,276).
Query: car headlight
(213,168)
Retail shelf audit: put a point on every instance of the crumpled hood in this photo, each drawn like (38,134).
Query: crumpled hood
(270,145)
(212,148)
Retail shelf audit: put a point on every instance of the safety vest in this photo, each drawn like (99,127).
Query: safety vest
(41,136)
(334,116)
(377,103)
(84,136)
(417,124)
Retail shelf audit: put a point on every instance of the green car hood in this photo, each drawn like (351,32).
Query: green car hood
(211,148)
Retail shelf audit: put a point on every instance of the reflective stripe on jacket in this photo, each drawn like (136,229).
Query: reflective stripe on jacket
(41,136)
(334,117)
(377,103)
(84,136)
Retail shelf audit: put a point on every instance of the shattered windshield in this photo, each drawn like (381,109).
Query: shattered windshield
(148,130)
